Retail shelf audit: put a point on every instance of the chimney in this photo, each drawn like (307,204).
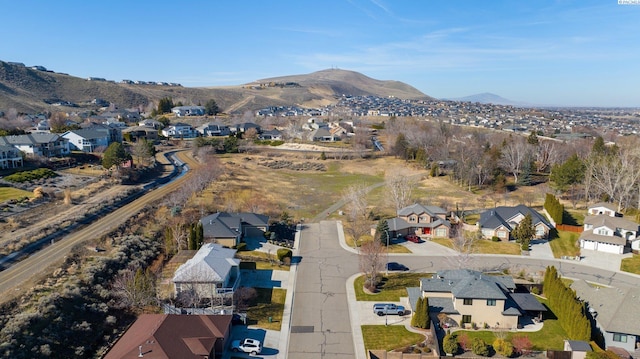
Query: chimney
(140,351)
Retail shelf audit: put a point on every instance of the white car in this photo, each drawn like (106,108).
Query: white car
(248,345)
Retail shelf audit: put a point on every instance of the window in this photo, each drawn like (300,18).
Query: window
(441,232)
(491,302)
(617,337)
(467,301)
(602,231)
(466,319)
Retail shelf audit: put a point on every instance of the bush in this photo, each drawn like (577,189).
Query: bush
(495,239)
(284,253)
(450,344)
(503,347)
(36,174)
(480,347)
(242,246)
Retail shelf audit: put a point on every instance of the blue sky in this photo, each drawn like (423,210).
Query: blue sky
(573,53)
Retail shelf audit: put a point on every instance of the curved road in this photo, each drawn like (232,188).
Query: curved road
(42,261)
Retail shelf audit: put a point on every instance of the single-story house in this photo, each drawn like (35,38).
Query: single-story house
(168,336)
(605,230)
(137,132)
(211,273)
(274,134)
(501,221)
(213,129)
(470,297)
(188,111)
(244,127)
(38,144)
(615,311)
(322,134)
(228,229)
(155,124)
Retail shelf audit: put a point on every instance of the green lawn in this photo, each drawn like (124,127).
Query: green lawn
(565,244)
(631,264)
(485,246)
(263,265)
(391,288)
(7,193)
(268,303)
(380,337)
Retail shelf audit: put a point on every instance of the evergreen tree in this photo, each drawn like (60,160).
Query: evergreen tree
(165,105)
(533,139)
(415,319)
(382,232)
(524,230)
(570,173)
(401,147)
(211,107)
(114,155)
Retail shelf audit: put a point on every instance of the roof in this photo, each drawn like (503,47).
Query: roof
(611,222)
(605,205)
(470,284)
(590,236)
(416,208)
(442,305)
(527,302)
(171,336)
(88,133)
(212,263)
(30,139)
(578,346)
(616,309)
(226,225)
(397,224)
(502,216)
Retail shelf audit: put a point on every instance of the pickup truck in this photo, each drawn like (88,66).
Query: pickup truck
(387,308)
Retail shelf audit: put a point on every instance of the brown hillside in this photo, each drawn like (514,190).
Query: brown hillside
(30,91)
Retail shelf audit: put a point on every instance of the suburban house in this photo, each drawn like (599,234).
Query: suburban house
(168,336)
(274,134)
(501,221)
(244,127)
(430,221)
(228,229)
(213,272)
(605,230)
(188,111)
(10,157)
(151,123)
(87,139)
(213,129)
(136,132)
(615,311)
(179,130)
(467,297)
(38,144)
(322,134)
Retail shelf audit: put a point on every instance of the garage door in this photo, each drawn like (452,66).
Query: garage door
(253,232)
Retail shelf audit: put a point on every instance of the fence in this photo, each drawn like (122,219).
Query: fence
(569,228)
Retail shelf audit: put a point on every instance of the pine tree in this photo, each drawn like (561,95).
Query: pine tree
(382,231)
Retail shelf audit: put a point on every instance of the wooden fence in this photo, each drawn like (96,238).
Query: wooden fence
(569,228)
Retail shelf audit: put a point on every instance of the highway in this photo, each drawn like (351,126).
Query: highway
(40,262)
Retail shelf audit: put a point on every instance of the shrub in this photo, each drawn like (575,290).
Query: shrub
(503,347)
(450,344)
(522,344)
(284,253)
(480,347)
(495,239)
(464,341)
(242,246)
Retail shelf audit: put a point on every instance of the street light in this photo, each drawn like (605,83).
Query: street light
(387,266)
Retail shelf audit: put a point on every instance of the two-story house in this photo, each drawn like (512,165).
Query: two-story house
(87,139)
(179,130)
(605,230)
(213,129)
(430,221)
(468,297)
(38,144)
(212,273)
(10,157)
(501,221)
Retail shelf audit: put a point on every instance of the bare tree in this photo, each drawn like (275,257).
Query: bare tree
(547,155)
(371,262)
(514,153)
(464,243)
(356,209)
(400,188)
(134,288)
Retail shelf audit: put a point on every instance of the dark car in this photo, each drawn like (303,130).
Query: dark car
(395,266)
(412,238)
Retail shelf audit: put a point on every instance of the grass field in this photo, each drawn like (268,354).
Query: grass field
(7,193)
(392,287)
(484,246)
(631,264)
(388,337)
(269,303)
(565,244)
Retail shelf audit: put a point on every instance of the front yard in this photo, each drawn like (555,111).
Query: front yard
(631,264)
(392,287)
(265,309)
(485,246)
(565,244)
(380,337)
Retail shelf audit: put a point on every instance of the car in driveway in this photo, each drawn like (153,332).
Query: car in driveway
(381,309)
(412,238)
(248,345)
(395,266)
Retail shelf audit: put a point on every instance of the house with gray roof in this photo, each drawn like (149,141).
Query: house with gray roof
(179,130)
(605,230)
(469,297)
(211,273)
(38,144)
(429,221)
(578,348)
(615,311)
(501,221)
(188,111)
(213,129)
(228,229)
(87,139)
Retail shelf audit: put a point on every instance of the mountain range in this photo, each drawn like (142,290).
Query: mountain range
(30,90)
(489,98)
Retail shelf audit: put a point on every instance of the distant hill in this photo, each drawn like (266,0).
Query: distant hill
(489,98)
(29,91)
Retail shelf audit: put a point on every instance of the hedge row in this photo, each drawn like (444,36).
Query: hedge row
(554,208)
(36,174)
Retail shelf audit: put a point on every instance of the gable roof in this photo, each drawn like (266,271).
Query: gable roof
(605,205)
(29,139)
(212,263)
(171,336)
(610,222)
(616,309)
(502,216)
(88,133)
(417,208)
(227,225)
(466,283)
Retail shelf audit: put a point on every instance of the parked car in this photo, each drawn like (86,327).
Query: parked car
(412,238)
(247,345)
(387,308)
(395,266)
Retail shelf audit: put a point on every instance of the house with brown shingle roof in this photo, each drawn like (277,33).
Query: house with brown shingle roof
(168,336)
